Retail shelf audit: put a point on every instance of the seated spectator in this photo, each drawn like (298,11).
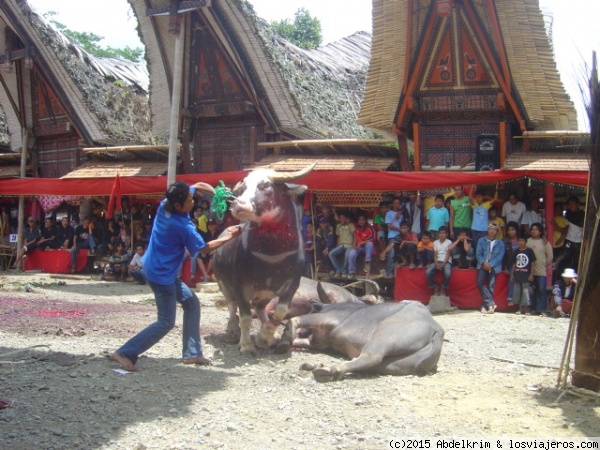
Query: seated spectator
(82,239)
(406,242)
(204,260)
(136,265)
(111,236)
(48,240)
(380,227)
(437,216)
(306,218)
(64,234)
(425,250)
(308,237)
(125,235)
(117,264)
(324,242)
(498,221)
(31,236)
(489,254)
(563,289)
(363,243)
(345,241)
(329,213)
(464,252)
(442,261)
(522,274)
(146,233)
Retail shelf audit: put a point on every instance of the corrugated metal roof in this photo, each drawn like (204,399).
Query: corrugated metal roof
(577,162)
(295,162)
(109,169)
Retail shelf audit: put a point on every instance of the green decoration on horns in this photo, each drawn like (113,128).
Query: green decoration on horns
(219,201)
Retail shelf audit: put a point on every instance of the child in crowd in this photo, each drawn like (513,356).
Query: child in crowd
(380,227)
(522,274)
(407,246)
(136,265)
(496,220)
(425,250)
(480,222)
(437,216)
(117,263)
(442,250)
(464,252)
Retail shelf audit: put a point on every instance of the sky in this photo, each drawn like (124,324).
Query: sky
(575,27)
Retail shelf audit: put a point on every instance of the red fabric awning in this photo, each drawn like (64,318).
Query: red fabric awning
(321,180)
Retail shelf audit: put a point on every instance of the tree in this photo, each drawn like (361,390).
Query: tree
(305,32)
(90,42)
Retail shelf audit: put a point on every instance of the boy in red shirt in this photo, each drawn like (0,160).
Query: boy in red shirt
(364,237)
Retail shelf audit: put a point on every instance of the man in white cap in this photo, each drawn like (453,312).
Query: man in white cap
(564,289)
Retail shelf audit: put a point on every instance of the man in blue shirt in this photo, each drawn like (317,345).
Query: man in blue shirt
(173,232)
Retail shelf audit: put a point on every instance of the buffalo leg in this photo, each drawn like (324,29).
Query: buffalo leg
(267,331)
(232,334)
(247,348)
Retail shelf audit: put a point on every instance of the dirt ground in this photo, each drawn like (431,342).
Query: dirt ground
(65,394)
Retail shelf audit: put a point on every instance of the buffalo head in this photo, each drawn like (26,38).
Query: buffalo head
(261,195)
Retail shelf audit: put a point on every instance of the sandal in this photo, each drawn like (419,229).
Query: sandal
(491,309)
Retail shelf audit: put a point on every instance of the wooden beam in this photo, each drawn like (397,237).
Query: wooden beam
(184,6)
(502,141)
(417,148)
(326,142)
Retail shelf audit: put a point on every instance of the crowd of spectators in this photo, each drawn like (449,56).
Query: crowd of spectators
(467,229)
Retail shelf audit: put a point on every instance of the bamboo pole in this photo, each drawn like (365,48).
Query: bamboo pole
(21,216)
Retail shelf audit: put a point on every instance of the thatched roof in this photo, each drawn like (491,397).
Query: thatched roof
(105,98)
(331,162)
(577,162)
(535,78)
(110,169)
(303,94)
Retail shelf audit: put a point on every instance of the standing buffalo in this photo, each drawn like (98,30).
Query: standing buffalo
(387,338)
(267,260)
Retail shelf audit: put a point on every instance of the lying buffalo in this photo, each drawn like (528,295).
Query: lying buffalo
(386,338)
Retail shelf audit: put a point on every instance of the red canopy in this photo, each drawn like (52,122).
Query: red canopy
(322,180)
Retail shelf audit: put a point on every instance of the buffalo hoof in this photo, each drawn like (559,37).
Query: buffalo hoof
(232,337)
(262,342)
(309,367)
(323,374)
(248,350)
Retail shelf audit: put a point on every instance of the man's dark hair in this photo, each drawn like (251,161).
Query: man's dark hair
(404,224)
(522,236)
(443,229)
(140,246)
(494,208)
(426,233)
(177,193)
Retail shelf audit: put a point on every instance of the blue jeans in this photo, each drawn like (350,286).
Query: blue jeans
(539,297)
(424,257)
(166,297)
(367,249)
(391,257)
(486,291)
(90,243)
(334,258)
(139,276)
(430,275)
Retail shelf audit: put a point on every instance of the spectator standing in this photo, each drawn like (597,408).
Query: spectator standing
(363,243)
(575,221)
(522,274)
(543,261)
(329,213)
(481,209)
(513,209)
(380,227)
(442,251)
(489,254)
(532,215)
(564,289)
(425,250)
(136,265)
(437,216)
(393,219)
(461,214)
(511,243)
(498,221)
(31,236)
(48,239)
(345,241)
(413,212)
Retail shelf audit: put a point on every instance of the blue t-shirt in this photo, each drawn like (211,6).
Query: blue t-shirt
(480,216)
(437,217)
(172,233)
(395,218)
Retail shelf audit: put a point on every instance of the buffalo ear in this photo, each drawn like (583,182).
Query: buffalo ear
(295,189)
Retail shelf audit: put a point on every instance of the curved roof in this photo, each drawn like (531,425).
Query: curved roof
(535,78)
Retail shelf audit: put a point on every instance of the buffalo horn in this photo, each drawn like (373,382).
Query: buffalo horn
(322,294)
(284,177)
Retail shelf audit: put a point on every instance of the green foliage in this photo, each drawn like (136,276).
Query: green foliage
(305,32)
(90,42)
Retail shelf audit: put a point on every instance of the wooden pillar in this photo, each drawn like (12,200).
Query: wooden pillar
(549,212)
(175,104)
(502,140)
(417,143)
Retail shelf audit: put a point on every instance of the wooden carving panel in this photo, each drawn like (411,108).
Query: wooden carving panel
(48,114)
